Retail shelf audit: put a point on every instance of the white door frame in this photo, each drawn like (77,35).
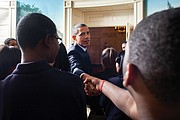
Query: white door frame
(70,6)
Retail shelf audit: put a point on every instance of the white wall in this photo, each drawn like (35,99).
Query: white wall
(109,18)
(77,17)
(7,19)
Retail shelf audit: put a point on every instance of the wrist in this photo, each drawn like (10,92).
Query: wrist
(82,76)
(101,85)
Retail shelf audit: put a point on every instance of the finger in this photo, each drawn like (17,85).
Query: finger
(93,90)
(88,90)
(86,81)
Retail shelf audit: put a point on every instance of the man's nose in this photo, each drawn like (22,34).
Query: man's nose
(86,35)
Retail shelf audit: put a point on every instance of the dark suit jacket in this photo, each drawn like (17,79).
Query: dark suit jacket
(79,60)
(121,58)
(38,91)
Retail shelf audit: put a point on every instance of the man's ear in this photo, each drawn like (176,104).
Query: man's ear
(74,37)
(130,75)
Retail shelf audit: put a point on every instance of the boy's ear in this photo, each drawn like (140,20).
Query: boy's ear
(130,75)
(47,41)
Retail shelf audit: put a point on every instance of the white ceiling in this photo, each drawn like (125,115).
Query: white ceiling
(108,8)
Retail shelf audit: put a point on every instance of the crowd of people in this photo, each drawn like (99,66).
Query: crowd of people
(41,79)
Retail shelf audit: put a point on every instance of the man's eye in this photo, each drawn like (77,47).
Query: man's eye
(82,34)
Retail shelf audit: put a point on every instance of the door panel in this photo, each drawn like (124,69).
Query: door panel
(102,37)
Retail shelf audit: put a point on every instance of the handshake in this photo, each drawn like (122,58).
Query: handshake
(93,86)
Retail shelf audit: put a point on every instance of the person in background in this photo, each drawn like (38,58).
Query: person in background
(109,70)
(120,58)
(109,73)
(108,57)
(35,90)
(10,56)
(10,42)
(151,70)
(80,63)
(61,61)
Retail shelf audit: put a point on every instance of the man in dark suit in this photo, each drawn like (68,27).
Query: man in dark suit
(36,90)
(80,63)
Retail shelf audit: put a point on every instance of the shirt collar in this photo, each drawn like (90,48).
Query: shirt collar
(85,49)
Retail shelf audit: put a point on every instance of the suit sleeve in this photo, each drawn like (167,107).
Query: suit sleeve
(75,63)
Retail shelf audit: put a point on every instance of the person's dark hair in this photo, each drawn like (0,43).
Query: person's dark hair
(7,41)
(75,28)
(33,28)
(154,47)
(10,56)
(108,59)
(61,61)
